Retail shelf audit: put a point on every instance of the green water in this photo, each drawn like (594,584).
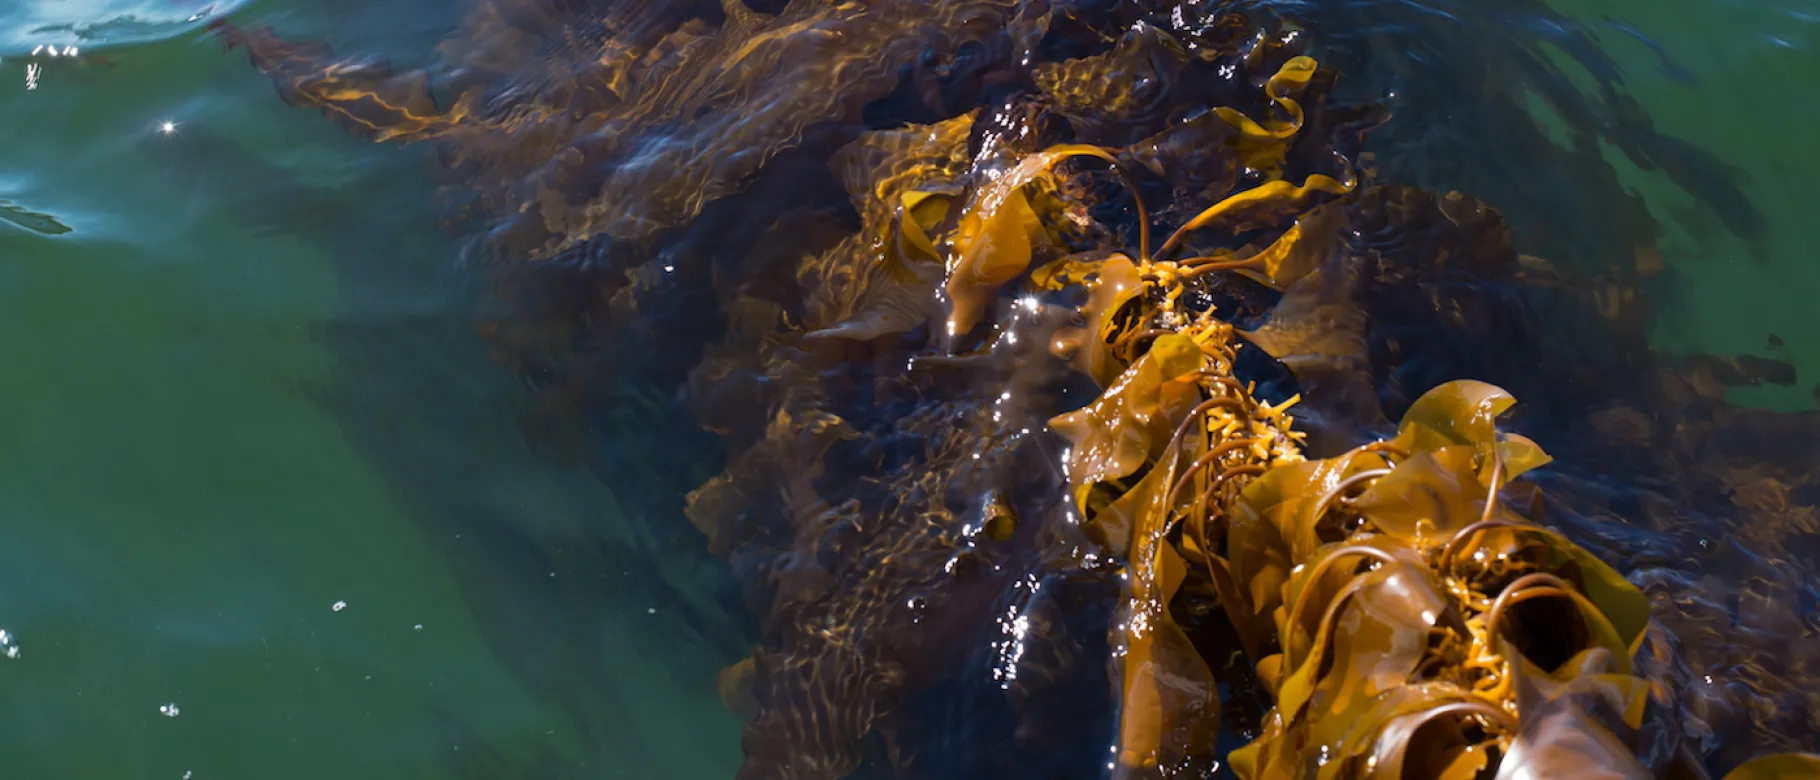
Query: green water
(1754,67)
(239,388)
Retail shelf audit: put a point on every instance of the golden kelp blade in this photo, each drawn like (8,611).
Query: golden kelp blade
(1259,207)
(1261,147)
(1428,512)
(1169,712)
(997,234)
(1781,766)
(904,183)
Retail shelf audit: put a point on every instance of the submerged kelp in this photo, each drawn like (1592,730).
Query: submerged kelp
(1047,339)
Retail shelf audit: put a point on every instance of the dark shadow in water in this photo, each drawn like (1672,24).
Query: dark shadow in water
(32,220)
(848,527)
(1461,72)
(551,563)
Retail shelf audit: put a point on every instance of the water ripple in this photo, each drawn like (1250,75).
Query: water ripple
(32,220)
(92,23)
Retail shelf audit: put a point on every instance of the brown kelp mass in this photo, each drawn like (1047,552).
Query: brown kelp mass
(1052,349)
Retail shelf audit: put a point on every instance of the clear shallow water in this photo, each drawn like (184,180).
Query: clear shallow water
(242,387)
(1735,79)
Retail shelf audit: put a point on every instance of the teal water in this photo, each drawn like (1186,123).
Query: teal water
(241,387)
(1736,79)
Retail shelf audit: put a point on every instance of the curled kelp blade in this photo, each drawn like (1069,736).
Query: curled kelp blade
(998,234)
(1263,206)
(1274,523)
(1445,741)
(1115,281)
(1377,739)
(1369,638)
(1169,707)
(1560,744)
(1387,601)
(1593,679)
(1169,711)
(1129,424)
(1430,497)
(1261,146)
(1781,766)
(1460,412)
(1571,719)
(882,281)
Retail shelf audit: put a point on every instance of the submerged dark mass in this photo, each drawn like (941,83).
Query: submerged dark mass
(1053,353)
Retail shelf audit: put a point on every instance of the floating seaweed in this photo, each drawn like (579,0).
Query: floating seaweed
(989,431)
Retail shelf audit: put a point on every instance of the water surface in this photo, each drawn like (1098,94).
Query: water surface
(266,506)
(244,389)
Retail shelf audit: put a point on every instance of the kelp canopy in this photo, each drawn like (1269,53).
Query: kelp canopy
(1052,349)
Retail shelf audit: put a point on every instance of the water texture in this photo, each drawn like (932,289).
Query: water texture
(272,505)
(246,388)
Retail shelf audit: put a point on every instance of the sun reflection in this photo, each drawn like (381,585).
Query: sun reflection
(167,127)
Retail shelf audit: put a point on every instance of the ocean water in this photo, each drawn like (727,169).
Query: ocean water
(267,509)
(1732,78)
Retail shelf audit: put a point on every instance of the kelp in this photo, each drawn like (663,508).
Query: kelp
(689,83)
(1051,350)
(1360,585)
(1177,412)
(1408,574)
